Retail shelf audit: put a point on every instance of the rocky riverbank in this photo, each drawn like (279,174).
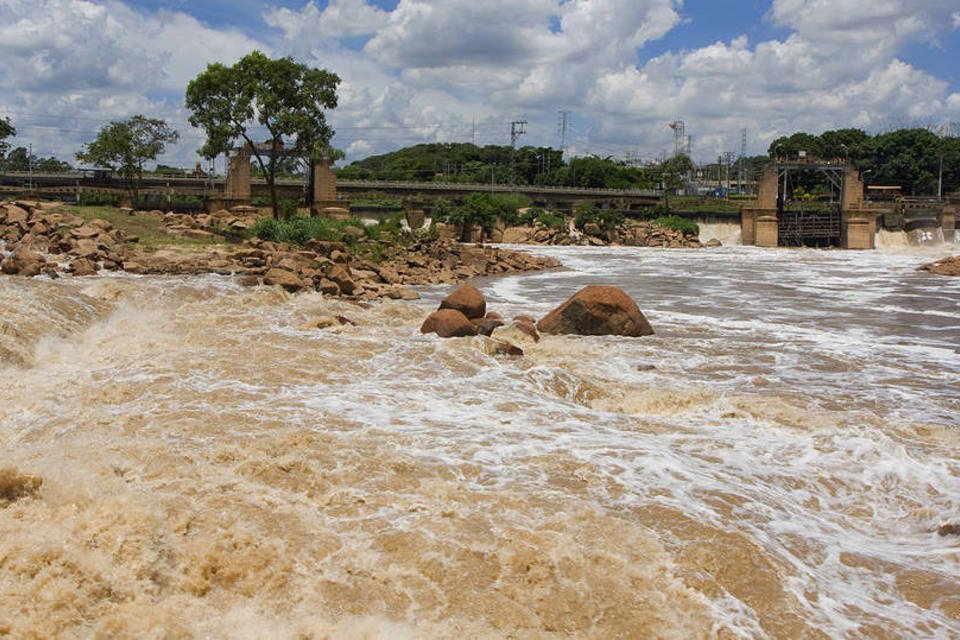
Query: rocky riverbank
(39,238)
(631,233)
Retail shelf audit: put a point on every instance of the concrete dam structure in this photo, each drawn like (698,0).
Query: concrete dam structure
(851,223)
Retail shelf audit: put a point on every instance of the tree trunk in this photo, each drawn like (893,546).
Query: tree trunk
(271,182)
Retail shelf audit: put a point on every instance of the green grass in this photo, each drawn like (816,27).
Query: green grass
(676,223)
(149,228)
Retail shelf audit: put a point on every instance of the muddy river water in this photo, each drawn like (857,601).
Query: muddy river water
(774,462)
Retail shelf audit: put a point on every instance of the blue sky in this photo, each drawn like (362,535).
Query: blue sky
(462,70)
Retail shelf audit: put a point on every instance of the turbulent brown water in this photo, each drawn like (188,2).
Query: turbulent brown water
(773,463)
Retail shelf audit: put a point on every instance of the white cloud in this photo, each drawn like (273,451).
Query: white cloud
(429,69)
(312,28)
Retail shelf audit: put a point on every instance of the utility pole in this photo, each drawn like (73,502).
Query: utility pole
(30,166)
(741,168)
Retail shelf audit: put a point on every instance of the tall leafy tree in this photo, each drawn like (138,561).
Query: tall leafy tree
(124,146)
(6,131)
(283,97)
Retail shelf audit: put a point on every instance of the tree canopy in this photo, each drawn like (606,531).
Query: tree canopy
(528,165)
(6,131)
(20,159)
(124,145)
(284,98)
(909,158)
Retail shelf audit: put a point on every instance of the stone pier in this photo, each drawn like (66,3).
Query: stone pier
(237,191)
(758,220)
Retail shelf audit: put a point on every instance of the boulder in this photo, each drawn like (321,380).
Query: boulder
(23,261)
(485,326)
(286,279)
(448,323)
(597,310)
(467,300)
(339,273)
(83,267)
(517,235)
(328,287)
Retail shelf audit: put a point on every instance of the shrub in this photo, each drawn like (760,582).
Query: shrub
(608,219)
(685,226)
(506,205)
(441,209)
(299,230)
(551,220)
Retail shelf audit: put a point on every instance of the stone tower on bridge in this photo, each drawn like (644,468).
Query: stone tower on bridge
(766,222)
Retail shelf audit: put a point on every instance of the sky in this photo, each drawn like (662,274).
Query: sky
(417,71)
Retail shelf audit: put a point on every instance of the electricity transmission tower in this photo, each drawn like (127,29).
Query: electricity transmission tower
(517,129)
(680,139)
(563,123)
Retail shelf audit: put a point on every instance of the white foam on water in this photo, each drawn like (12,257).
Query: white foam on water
(782,450)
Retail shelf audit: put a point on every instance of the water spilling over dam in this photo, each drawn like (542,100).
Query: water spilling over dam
(775,461)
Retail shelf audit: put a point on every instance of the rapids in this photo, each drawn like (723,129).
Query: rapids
(774,462)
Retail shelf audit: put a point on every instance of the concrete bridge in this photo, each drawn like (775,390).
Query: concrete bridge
(328,191)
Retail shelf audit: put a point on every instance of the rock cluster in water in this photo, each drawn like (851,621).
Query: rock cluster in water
(594,310)
(946,267)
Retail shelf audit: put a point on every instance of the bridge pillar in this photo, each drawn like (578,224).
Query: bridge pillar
(948,222)
(766,231)
(324,186)
(858,228)
(851,198)
(769,188)
(238,176)
(858,231)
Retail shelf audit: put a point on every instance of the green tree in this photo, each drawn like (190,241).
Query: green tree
(124,145)
(20,159)
(284,97)
(6,131)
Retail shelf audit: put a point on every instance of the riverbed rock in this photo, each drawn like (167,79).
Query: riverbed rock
(515,335)
(15,485)
(949,266)
(712,243)
(286,279)
(83,267)
(23,261)
(340,274)
(467,300)
(496,347)
(448,323)
(597,310)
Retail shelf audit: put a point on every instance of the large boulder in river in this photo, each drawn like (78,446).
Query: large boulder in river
(597,311)
(467,300)
(448,323)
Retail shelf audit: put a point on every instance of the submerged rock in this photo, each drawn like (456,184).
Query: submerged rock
(597,310)
(949,266)
(15,485)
